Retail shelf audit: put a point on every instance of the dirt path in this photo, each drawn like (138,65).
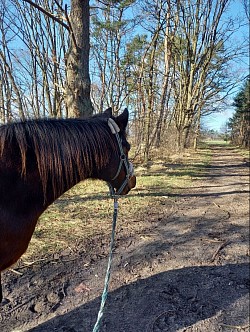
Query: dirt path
(184,271)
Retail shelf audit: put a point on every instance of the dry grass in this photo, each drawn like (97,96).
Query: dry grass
(86,210)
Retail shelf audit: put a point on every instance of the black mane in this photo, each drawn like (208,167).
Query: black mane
(66,150)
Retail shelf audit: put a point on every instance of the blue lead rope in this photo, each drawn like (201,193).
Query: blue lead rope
(107,277)
(115,195)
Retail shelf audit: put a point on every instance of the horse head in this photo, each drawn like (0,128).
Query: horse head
(122,178)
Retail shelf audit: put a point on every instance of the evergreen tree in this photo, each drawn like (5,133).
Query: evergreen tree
(239,123)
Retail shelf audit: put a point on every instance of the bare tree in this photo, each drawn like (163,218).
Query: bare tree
(199,61)
(11,104)
(111,28)
(77,87)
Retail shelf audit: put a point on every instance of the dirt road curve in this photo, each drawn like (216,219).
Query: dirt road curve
(186,270)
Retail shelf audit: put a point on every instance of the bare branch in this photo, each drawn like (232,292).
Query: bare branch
(48,14)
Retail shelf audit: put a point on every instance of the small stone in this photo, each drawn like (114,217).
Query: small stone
(53,297)
(39,307)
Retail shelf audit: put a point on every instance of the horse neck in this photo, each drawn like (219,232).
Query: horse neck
(85,155)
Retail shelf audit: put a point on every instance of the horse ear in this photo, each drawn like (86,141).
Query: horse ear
(108,112)
(122,119)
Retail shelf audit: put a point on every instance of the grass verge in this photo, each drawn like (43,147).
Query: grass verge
(86,210)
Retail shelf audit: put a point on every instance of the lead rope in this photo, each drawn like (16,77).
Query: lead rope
(107,277)
(115,195)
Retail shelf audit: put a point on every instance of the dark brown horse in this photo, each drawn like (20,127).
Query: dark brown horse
(42,159)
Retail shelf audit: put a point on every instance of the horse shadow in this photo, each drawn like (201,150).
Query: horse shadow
(168,301)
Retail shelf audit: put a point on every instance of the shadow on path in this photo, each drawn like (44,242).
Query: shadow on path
(164,302)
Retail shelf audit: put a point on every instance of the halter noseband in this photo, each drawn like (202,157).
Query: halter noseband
(123,160)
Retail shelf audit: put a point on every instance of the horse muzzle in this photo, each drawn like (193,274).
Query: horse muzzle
(130,185)
(131,182)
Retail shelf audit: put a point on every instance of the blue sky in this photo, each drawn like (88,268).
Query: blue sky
(218,121)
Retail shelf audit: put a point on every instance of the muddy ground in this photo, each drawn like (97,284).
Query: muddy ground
(185,269)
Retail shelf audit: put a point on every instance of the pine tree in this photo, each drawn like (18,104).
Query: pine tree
(239,123)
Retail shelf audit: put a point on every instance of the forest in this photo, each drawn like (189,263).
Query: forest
(170,62)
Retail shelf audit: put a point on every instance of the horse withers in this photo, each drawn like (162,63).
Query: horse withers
(42,159)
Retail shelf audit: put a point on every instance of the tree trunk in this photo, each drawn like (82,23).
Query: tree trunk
(77,90)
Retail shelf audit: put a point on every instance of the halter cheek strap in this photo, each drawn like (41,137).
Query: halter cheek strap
(123,160)
(113,126)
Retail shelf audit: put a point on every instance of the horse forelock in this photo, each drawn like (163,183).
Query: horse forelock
(66,151)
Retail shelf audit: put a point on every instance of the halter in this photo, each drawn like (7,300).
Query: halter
(123,161)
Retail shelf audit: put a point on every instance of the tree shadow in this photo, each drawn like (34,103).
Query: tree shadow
(166,301)
(161,192)
(215,194)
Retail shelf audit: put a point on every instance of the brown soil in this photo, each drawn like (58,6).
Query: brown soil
(184,271)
